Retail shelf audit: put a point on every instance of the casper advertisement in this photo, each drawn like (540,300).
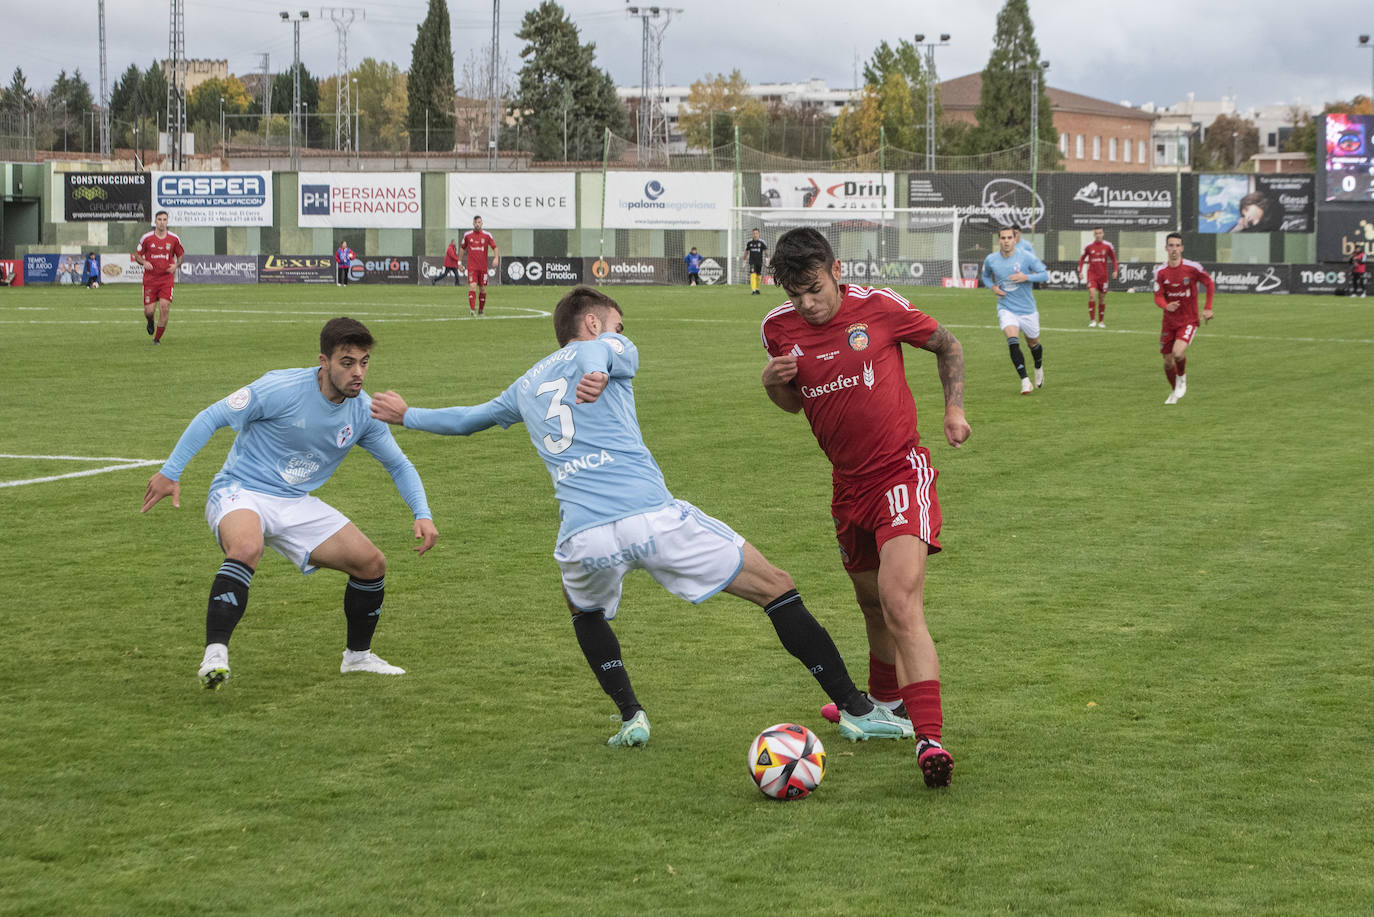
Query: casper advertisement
(214,198)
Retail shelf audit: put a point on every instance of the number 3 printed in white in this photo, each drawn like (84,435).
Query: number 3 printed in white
(560,411)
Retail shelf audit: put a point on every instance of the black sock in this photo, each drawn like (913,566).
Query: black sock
(602,650)
(1037,354)
(228,601)
(804,637)
(1014,344)
(362,608)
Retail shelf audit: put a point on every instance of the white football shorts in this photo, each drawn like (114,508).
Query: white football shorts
(691,555)
(291,526)
(1029,324)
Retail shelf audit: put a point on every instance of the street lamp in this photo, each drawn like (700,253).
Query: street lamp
(223,142)
(1036,70)
(931,89)
(1364,43)
(357,107)
(64,125)
(1235,149)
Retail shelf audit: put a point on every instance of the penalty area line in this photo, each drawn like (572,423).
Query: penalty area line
(124,464)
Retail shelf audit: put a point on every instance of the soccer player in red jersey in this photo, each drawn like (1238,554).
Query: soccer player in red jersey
(1176,284)
(159,252)
(1097,253)
(476,242)
(835,352)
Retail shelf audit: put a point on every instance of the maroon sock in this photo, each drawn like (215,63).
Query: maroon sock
(1181,364)
(1170,375)
(158,336)
(1092,317)
(482,301)
(922,699)
(472,301)
(882,680)
(1102,309)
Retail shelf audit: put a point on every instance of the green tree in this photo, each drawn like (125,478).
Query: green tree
(1230,142)
(17,97)
(430,83)
(857,128)
(73,117)
(382,102)
(203,108)
(1004,108)
(715,105)
(282,90)
(559,83)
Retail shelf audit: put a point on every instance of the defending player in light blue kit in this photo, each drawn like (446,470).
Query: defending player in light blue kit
(294,427)
(1009,272)
(578,406)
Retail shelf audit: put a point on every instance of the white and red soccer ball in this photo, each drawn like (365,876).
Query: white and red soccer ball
(787,761)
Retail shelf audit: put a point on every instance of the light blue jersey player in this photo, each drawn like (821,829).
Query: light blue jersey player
(294,427)
(1009,272)
(578,406)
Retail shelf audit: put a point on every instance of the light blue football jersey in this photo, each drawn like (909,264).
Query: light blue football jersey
(291,439)
(594,452)
(1019,298)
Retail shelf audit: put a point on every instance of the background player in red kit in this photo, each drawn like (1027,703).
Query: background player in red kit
(477,243)
(835,352)
(1097,253)
(159,252)
(1176,284)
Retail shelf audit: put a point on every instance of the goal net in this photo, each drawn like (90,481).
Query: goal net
(895,246)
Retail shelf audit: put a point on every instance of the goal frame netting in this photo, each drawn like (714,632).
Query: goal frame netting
(895,245)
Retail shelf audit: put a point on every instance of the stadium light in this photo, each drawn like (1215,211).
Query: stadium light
(931,89)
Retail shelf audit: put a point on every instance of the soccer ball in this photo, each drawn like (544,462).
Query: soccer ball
(95,284)
(787,761)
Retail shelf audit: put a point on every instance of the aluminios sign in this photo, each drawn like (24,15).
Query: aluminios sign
(214,198)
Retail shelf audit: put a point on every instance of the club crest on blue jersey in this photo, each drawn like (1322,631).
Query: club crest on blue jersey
(858,336)
(344,435)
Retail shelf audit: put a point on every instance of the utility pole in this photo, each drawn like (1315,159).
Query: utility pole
(176,83)
(652,117)
(343,17)
(295,83)
(104,91)
(932,87)
(265,61)
(1036,71)
(494,87)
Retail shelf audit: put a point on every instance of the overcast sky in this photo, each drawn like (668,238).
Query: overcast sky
(1142,51)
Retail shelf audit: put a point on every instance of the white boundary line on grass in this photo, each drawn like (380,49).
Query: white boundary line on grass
(191,316)
(124,463)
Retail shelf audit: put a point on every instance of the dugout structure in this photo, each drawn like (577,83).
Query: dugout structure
(896,245)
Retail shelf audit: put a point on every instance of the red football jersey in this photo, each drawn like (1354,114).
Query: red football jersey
(852,378)
(159,254)
(477,244)
(1180,284)
(1097,254)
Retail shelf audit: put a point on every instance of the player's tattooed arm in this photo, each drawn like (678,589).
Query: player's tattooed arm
(949,359)
(949,355)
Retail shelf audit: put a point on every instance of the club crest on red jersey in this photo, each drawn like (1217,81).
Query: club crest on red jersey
(858,336)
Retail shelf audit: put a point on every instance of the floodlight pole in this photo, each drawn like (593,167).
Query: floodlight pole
(1036,70)
(295,82)
(1364,43)
(931,88)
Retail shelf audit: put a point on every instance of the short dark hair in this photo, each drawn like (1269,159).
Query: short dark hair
(1173,235)
(344,332)
(162,213)
(578,302)
(798,255)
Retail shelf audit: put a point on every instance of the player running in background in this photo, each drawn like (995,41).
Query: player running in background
(1009,272)
(754,251)
(1097,253)
(835,352)
(577,404)
(294,427)
(1023,245)
(159,251)
(450,263)
(1358,271)
(343,260)
(477,243)
(1176,283)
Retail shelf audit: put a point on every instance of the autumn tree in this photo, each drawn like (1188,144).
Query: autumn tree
(715,105)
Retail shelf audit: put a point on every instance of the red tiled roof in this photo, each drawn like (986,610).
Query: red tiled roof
(963,92)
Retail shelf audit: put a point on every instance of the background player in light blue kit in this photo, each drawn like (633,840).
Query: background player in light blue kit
(578,407)
(1009,272)
(294,427)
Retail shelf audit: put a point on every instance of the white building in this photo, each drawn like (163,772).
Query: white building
(813,93)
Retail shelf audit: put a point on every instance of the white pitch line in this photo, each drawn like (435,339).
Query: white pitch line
(76,474)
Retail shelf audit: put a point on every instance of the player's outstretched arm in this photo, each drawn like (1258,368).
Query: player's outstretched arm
(159,486)
(389,407)
(949,360)
(779,382)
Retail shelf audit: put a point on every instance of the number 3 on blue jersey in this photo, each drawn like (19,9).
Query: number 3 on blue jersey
(560,411)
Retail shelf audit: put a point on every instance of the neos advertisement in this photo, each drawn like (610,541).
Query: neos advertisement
(214,198)
(530,200)
(368,200)
(668,200)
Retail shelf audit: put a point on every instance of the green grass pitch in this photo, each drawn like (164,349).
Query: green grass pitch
(1153,622)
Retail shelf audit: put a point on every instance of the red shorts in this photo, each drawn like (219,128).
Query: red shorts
(869,514)
(1169,334)
(157,288)
(477,275)
(1098,282)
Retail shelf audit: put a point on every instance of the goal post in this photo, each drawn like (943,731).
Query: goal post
(895,246)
